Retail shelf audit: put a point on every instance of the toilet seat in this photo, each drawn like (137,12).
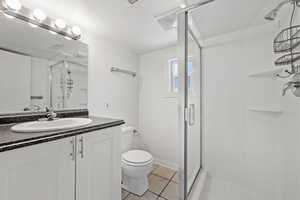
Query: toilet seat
(137,158)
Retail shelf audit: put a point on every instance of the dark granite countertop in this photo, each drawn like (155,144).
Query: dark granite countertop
(10,140)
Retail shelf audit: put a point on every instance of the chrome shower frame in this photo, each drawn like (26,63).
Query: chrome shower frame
(183,96)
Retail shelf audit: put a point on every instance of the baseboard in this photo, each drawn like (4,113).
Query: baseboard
(199,186)
(166,164)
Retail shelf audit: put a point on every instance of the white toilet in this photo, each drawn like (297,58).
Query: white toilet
(136,165)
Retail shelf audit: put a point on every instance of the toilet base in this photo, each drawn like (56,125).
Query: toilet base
(136,186)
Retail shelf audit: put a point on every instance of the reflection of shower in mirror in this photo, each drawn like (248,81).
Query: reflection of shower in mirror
(66,81)
(68,85)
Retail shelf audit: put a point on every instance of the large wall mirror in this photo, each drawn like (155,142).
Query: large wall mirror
(39,69)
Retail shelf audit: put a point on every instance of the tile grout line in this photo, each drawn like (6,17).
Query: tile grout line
(170,180)
(158,195)
(162,176)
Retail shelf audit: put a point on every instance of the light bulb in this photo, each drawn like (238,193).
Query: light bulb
(39,15)
(76,31)
(182,5)
(13,4)
(59,23)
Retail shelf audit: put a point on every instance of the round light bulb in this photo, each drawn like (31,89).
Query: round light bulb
(182,5)
(13,4)
(59,23)
(39,15)
(76,31)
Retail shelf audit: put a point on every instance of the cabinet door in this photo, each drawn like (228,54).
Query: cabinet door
(98,165)
(39,172)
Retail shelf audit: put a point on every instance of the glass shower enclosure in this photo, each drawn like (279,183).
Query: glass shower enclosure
(189,105)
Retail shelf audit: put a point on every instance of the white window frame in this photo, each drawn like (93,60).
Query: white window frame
(171,76)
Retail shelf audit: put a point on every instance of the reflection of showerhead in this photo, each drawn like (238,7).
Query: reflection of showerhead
(273,13)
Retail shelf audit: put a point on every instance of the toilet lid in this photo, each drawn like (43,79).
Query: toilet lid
(137,156)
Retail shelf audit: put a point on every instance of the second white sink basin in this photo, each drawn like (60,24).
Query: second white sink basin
(55,125)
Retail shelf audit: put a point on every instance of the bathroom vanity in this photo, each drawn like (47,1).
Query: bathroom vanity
(40,70)
(81,163)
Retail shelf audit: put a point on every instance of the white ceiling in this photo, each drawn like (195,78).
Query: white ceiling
(134,26)
(224,16)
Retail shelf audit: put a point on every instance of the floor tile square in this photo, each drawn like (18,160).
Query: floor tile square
(124,194)
(147,196)
(154,167)
(171,191)
(164,172)
(157,184)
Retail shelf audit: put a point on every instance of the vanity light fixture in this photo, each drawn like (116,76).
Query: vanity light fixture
(37,18)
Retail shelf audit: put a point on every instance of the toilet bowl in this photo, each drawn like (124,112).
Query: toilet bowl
(136,165)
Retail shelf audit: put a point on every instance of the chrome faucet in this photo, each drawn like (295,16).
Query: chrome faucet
(50,114)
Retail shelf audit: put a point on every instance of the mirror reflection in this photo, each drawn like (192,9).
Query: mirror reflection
(39,69)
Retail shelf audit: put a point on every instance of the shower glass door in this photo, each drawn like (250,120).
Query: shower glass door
(190,105)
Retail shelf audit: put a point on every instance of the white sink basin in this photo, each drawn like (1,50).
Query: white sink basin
(55,125)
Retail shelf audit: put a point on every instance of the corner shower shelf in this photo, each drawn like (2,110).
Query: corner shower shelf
(275,110)
(270,73)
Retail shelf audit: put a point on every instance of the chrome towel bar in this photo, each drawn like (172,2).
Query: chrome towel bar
(115,69)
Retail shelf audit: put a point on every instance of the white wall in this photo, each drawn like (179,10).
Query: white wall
(254,150)
(112,94)
(291,143)
(14,82)
(158,108)
(40,81)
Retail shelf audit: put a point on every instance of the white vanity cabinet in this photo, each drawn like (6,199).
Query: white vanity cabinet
(83,167)
(43,171)
(98,166)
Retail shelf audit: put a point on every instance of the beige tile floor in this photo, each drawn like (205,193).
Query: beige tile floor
(163,185)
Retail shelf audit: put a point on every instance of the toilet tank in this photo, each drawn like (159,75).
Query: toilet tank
(126,138)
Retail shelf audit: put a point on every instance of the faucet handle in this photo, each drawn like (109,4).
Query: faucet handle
(50,114)
(48,109)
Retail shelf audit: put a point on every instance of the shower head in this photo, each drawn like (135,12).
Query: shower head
(132,1)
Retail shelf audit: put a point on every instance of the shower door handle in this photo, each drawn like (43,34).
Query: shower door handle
(192,114)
